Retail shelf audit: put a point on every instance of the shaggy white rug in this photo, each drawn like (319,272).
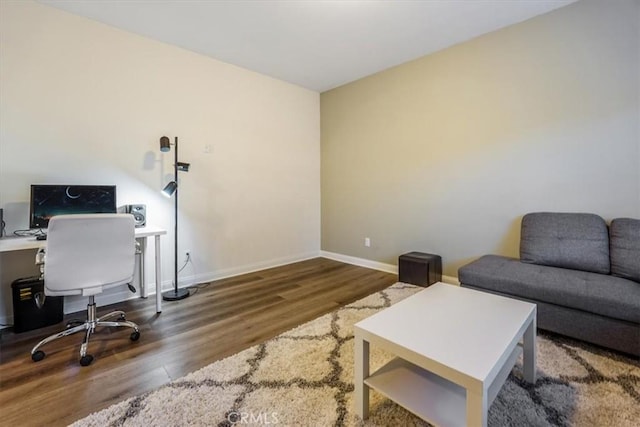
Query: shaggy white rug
(304,377)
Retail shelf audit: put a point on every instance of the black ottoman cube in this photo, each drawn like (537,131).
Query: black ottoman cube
(419,268)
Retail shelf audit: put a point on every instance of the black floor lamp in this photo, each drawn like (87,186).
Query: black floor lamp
(172,189)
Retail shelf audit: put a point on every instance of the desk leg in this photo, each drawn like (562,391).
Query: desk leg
(158,277)
(361,372)
(144,292)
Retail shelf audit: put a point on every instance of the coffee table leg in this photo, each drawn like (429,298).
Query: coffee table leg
(529,352)
(476,409)
(361,372)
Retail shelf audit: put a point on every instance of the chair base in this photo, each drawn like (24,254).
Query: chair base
(89,327)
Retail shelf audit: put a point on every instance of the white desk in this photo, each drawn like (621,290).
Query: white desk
(10,244)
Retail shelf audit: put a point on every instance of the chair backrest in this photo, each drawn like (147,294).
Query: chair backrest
(88,253)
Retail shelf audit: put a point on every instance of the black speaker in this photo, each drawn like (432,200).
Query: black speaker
(31,309)
(139,213)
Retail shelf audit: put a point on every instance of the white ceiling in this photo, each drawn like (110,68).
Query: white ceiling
(317,44)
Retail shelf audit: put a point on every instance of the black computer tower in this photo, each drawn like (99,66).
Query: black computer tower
(31,309)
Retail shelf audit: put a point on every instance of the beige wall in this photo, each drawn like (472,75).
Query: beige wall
(81,102)
(446,153)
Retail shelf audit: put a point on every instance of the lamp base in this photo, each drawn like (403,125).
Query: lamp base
(175,295)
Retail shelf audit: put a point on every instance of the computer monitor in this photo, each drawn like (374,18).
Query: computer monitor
(49,200)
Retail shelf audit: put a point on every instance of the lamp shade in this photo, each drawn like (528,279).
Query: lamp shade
(170,188)
(165,144)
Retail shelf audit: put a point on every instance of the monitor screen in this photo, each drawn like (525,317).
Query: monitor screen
(50,200)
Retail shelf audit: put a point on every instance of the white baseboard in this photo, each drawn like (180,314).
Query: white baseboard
(74,304)
(375,265)
(361,262)
(77,303)
(451,280)
(236,271)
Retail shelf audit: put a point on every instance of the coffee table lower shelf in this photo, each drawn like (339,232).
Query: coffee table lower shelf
(421,392)
(427,395)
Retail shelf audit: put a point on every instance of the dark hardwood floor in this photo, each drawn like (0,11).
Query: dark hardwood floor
(218,320)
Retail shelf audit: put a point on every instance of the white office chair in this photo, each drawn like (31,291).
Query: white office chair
(86,254)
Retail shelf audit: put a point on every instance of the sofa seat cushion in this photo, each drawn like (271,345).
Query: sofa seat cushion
(579,241)
(601,294)
(625,248)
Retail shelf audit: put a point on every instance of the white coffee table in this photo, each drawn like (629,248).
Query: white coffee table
(455,348)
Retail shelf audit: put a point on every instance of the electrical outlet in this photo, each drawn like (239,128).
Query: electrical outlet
(207,148)
(367,242)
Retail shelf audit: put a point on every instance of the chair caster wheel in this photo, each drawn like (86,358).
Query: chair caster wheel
(135,336)
(37,356)
(86,360)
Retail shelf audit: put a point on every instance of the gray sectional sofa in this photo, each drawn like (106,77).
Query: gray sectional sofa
(583,275)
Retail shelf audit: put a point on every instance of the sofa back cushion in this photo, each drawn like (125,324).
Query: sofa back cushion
(578,241)
(624,237)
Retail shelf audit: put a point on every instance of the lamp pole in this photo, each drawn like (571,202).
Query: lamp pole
(175,218)
(175,294)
